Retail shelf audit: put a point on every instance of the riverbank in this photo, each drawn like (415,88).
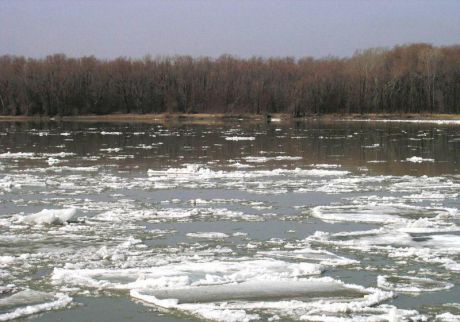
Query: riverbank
(218,118)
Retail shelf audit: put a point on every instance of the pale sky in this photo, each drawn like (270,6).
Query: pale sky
(244,28)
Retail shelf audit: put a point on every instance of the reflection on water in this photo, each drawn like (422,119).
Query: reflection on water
(382,148)
(214,221)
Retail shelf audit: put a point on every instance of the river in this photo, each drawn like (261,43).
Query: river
(233,221)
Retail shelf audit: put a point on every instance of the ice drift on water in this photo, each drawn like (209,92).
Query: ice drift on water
(208,235)
(252,290)
(410,284)
(240,138)
(416,159)
(327,297)
(28,302)
(50,217)
(24,298)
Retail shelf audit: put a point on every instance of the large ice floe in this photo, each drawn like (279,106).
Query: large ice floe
(421,121)
(260,181)
(238,290)
(423,234)
(296,300)
(27,302)
(49,217)
(240,138)
(410,284)
(384,213)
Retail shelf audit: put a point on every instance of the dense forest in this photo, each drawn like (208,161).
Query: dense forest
(406,79)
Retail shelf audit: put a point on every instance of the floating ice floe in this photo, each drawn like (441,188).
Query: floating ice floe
(50,217)
(240,138)
(240,165)
(416,159)
(252,290)
(266,159)
(432,247)
(302,299)
(320,310)
(236,290)
(111,133)
(440,122)
(6,184)
(28,302)
(208,235)
(202,172)
(110,150)
(173,214)
(326,165)
(322,257)
(447,317)
(376,213)
(57,154)
(17,155)
(429,195)
(122,157)
(372,146)
(411,284)
(52,161)
(413,184)
(42,133)
(65,168)
(185,274)
(377,161)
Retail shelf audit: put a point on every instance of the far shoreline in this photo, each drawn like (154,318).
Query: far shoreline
(212,118)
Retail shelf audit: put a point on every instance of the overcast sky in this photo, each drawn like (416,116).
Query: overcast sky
(243,28)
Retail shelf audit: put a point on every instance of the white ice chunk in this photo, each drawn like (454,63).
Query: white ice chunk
(24,298)
(322,257)
(427,121)
(416,159)
(252,290)
(186,274)
(50,217)
(300,299)
(17,155)
(411,284)
(31,302)
(53,161)
(240,138)
(208,235)
(111,133)
(448,317)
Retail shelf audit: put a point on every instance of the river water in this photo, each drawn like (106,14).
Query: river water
(229,222)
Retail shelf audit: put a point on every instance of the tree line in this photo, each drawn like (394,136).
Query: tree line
(405,79)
